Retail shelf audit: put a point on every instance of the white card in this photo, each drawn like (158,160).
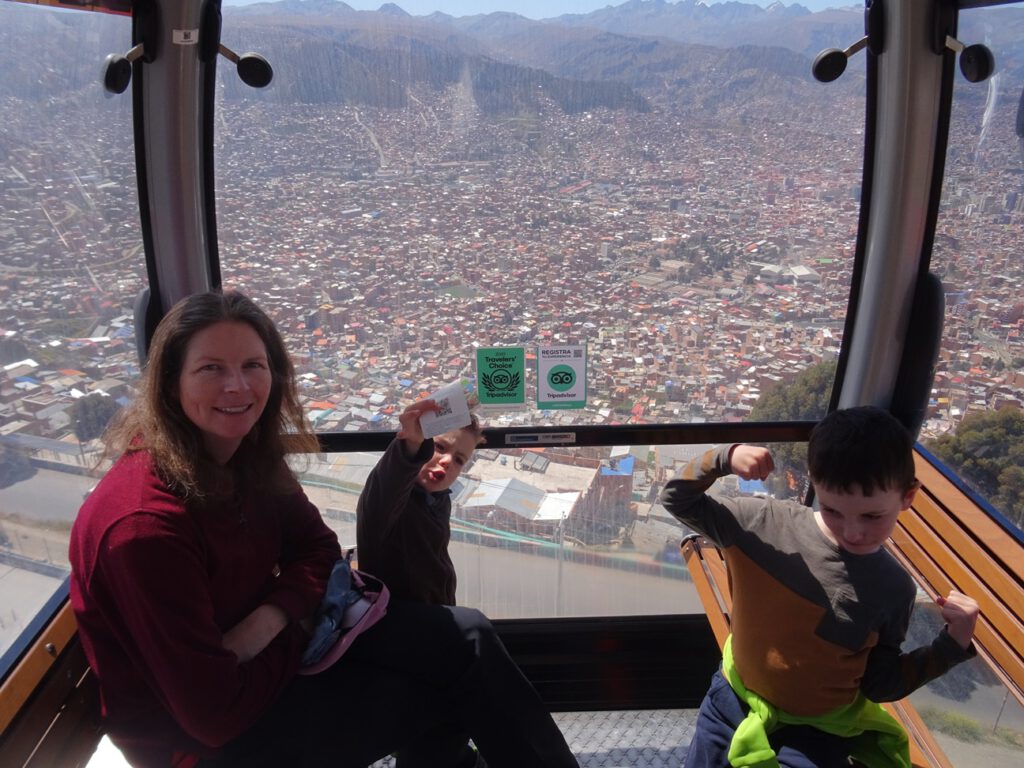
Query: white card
(454,411)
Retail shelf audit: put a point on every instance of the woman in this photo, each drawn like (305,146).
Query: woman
(197,558)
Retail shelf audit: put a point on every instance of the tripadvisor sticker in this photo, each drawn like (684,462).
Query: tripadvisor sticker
(500,375)
(562,377)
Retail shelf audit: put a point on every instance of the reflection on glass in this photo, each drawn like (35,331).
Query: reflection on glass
(410,188)
(976,421)
(70,266)
(975,719)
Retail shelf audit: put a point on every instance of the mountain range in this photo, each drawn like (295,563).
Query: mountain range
(631,56)
(337,54)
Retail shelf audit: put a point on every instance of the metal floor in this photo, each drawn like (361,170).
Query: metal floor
(633,739)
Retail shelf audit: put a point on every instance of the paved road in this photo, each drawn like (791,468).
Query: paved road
(510,584)
(46,496)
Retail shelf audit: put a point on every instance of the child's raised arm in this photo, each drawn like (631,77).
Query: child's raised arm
(411,433)
(751,462)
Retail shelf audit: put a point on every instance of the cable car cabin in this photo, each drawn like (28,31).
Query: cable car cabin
(632,231)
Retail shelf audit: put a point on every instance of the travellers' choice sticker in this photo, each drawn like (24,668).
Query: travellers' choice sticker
(501,375)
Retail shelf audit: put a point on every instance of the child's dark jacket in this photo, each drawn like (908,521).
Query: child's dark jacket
(402,532)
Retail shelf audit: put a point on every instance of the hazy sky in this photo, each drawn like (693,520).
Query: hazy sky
(534,9)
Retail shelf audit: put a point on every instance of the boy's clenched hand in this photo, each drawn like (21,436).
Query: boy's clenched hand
(751,462)
(960,613)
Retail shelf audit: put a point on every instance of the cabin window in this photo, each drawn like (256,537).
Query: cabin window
(411,188)
(561,532)
(976,414)
(71,264)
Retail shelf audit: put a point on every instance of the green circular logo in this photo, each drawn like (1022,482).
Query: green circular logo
(561,378)
(501,379)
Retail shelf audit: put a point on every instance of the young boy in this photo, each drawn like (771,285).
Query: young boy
(402,517)
(402,534)
(820,608)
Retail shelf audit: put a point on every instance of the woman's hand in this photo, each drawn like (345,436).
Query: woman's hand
(253,633)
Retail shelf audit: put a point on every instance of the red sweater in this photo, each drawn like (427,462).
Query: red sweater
(156,583)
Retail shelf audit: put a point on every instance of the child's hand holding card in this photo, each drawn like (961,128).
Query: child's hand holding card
(453,411)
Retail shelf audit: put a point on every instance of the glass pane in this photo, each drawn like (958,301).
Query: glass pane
(552,532)
(71,264)
(976,421)
(412,188)
(973,716)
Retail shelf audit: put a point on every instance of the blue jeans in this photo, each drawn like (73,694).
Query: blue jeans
(797,746)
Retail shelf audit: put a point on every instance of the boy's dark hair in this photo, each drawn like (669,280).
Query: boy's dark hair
(864,447)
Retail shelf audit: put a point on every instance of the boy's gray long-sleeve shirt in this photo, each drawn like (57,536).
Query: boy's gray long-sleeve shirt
(812,624)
